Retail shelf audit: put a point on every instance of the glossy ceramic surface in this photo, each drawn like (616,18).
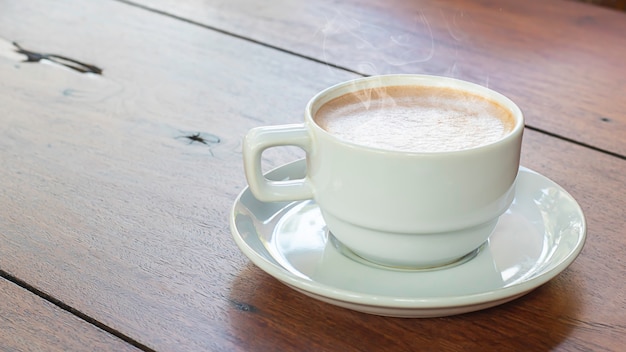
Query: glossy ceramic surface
(538,237)
(371,198)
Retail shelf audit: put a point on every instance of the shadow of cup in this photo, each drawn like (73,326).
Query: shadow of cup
(265,314)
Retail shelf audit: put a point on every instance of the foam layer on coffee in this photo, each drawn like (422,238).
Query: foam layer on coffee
(415,119)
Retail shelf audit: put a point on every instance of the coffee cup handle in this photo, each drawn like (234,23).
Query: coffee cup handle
(256,141)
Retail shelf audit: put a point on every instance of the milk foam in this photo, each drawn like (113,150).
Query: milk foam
(415,119)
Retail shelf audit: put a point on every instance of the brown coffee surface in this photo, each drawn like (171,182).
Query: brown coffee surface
(415,119)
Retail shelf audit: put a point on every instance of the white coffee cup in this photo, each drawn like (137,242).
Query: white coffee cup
(396,208)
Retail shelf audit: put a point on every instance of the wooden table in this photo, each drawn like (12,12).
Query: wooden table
(114,227)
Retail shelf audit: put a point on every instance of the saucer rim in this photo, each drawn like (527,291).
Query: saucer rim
(399,304)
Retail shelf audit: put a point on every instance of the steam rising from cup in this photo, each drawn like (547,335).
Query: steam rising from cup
(363,46)
(364,41)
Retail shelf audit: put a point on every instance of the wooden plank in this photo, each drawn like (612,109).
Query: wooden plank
(114,210)
(561,61)
(108,207)
(30,323)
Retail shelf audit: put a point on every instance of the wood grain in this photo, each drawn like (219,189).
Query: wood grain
(29,323)
(101,188)
(108,207)
(561,61)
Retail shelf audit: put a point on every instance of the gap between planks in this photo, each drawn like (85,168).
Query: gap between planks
(60,304)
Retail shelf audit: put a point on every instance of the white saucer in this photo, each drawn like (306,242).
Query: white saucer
(538,237)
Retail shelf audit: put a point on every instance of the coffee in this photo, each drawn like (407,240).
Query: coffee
(415,119)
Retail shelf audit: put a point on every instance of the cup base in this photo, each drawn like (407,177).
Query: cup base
(417,250)
(347,252)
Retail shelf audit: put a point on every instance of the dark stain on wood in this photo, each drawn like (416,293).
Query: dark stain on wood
(586,20)
(605,119)
(75,65)
(244,307)
(204,138)
(208,139)
(197,138)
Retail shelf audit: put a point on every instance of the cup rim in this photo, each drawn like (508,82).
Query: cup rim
(413,79)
